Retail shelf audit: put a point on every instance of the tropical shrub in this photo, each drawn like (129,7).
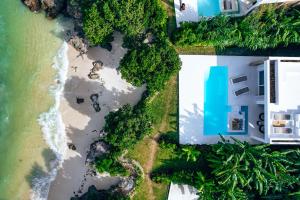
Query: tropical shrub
(268,27)
(235,171)
(132,18)
(96,29)
(150,64)
(126,127)
(109,164)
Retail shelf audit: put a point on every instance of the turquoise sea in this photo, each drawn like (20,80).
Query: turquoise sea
(32,60)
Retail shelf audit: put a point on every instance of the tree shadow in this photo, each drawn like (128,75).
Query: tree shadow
(83,124)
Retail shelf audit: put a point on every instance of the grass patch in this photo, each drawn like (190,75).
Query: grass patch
(169,6)
(164,108)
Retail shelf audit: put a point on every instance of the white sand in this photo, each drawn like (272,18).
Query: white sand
(81,119)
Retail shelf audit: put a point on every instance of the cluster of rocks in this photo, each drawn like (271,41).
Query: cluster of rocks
(52,7)
(97,149)
(97,65)
(72,146)
(95,102)
(71,9)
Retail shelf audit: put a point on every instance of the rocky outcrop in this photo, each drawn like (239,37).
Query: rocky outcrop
(33,5)
(97,149)
(52,7)
(74,9)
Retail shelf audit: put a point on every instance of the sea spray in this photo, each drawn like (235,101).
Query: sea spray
(53,127)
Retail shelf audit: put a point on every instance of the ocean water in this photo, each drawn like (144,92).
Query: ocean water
(33,68)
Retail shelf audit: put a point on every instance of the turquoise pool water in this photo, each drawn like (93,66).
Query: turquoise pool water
(216,101)
(216,106)
(208,8)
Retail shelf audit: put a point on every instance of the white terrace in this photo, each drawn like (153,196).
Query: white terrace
(232,7)
(273,99)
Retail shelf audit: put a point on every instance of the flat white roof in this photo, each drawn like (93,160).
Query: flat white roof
(287,98)
(182,192)
(191,95)
(288,79)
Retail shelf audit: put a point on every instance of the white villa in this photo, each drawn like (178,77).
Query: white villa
(254,99)
(195,9)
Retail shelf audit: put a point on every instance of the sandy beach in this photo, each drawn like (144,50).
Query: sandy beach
(82,122)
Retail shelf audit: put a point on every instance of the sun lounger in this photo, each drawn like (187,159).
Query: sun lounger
(282,116)
(282,130)
(229,6)
(238,79)
(241,91)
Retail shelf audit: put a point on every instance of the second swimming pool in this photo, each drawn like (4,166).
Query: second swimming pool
(208,8)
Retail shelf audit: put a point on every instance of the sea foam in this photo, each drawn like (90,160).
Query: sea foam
(53,127)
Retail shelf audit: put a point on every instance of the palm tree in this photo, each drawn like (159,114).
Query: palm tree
(190,153)
(241,165)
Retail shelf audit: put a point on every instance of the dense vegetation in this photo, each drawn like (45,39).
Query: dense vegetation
(151,58)
(124,128)
(268,27)
(153,65)
(233,171)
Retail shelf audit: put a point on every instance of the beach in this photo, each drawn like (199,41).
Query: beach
(81,120)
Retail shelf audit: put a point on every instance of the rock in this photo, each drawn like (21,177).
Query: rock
(72,146)
(78,43)
(33,5)
(94,98)
(97,148)
(96,107)
(79,100)
(93,76)
(53,7)
(97,65)
(126,185)
(74,9)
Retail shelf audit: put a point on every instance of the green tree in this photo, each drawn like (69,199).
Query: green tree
(152,65)
(125,127)
(95,28)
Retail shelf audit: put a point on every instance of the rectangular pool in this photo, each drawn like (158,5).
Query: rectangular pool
(216,101)
(216,106)
(208,8)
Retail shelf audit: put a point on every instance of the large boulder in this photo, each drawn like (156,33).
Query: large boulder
(33,5)
(74,9)
(53,7)
(97,149)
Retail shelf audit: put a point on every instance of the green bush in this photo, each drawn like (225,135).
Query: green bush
(126,127)
(268,27)
(96,29)
(152,65)
(132,18)
(111,165)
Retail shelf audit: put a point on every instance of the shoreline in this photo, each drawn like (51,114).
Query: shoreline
(52,126)
(82,122)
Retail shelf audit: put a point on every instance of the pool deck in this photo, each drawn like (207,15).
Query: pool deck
(191,95)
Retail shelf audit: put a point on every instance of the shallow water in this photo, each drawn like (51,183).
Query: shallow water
(28,44)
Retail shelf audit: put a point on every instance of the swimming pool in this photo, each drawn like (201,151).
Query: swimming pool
(216,106)
(208,8)
(216,101)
